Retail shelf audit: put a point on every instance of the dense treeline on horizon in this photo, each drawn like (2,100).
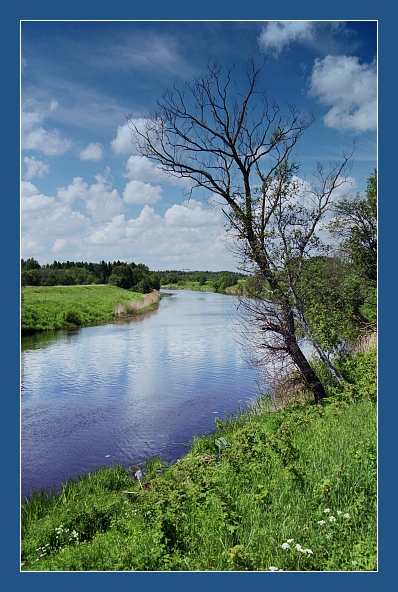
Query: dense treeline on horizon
(130,276)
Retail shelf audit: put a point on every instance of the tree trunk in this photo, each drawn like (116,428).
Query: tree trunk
(311,379)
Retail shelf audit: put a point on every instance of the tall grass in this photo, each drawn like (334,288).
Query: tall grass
(291,490)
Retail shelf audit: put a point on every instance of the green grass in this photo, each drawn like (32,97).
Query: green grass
(240,500)
(62,307)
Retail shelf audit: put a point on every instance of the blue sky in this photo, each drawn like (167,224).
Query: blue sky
(87,196)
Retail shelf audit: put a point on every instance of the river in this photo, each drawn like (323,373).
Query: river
(126,391)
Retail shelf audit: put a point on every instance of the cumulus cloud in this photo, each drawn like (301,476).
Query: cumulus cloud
(165,239)
(32,200)
(137,192)
(143,169)
(100,200)
(93,152)
(121,144)
(34,136)
(45,223)
(187,235)
(349,88)
(34,167)
(276,35)
(191,214)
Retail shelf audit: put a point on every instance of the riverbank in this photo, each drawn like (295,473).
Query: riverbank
(269,490)
(65,307)
(208,286)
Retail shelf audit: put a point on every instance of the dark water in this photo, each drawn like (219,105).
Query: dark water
(123,392)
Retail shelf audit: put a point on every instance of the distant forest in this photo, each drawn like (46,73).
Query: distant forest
(131,276)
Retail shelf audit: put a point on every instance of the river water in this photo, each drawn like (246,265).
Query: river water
(123,392)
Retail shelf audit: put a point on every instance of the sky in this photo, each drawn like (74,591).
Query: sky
(86,195)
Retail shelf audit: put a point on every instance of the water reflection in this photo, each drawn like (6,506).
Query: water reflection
(125,391)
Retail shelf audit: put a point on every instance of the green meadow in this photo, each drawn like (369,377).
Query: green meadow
(62,307)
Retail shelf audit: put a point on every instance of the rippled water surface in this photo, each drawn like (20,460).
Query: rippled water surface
(123,392)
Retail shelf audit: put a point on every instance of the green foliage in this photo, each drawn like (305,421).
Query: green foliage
(356,223)
(361,374)
(73,317)
(72,273)
(291,490)
(332,297)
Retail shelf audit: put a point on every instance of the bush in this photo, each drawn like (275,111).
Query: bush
(73,317)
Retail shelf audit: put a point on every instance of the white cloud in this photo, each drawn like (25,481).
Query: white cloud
(164,242)
(121,144)
(350,89)
(101,201)
(76,190)
(32,200)
(276,35)
(137,192)
(143,169)
(192,214)
(188,235)
(34,167)
(35,137)
(93,152)
(45,223)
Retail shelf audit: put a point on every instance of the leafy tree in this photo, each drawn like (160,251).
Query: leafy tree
(122,276)
(201,278)
(154,280)
(221,136)
(332,298)
(30,264)
(356,228)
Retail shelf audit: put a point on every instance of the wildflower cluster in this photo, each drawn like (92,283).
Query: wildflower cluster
(43,551)
(332,518)
(64,535)
(297,546)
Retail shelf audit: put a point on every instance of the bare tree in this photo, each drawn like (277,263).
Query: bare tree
(219,136)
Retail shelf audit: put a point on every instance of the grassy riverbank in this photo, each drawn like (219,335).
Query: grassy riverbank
(208,286)
(62,307)
(291,489)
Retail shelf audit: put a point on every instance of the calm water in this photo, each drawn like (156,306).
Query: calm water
(123,392)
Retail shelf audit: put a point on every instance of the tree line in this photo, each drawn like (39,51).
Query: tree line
(130,276)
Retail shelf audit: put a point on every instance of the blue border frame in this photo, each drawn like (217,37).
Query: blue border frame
(10,40)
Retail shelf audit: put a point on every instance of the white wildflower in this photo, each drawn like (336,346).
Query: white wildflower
(273,568)
(346,515)
(321,522)
(285,546)
(326,511)
(332,519)
(290,540)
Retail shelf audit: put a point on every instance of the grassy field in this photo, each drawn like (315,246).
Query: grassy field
(62,307)
(292,489)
